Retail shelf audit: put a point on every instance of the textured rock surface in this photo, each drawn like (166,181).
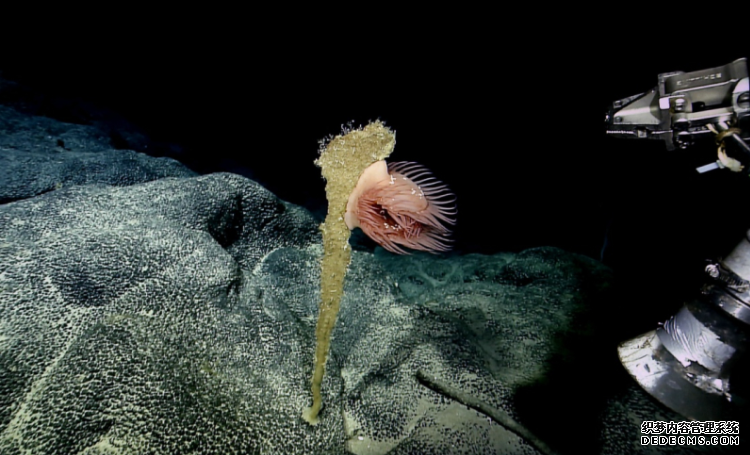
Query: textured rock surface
(178,316)
(40,154)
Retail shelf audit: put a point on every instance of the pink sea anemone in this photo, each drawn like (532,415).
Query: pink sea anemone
(402,205)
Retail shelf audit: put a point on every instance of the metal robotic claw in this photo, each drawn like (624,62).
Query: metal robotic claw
(697,361)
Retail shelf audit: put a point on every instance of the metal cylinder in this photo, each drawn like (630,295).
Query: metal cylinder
(696,362)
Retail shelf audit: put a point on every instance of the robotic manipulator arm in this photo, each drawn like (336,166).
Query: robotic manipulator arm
(686,106)
(698,361)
